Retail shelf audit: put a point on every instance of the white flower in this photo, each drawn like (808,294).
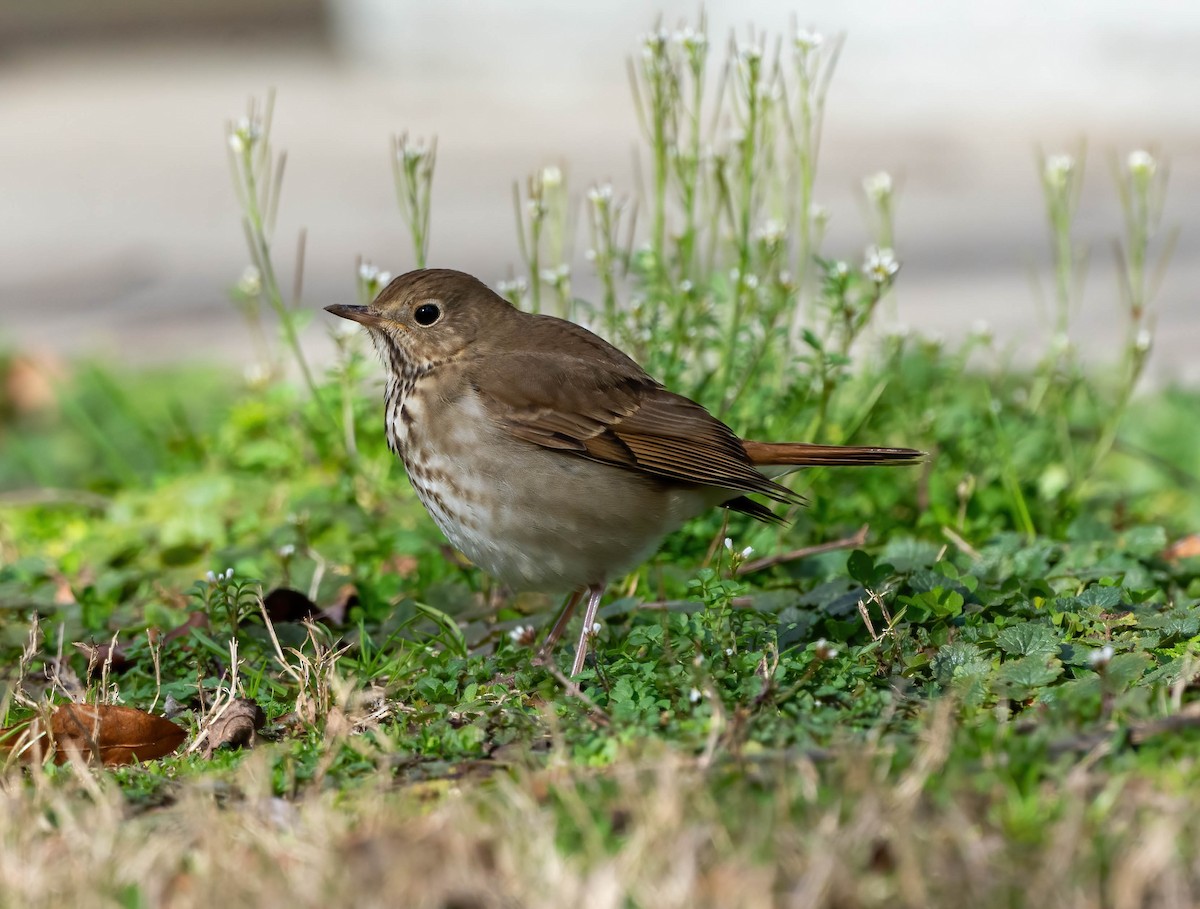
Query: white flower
(823,650)
(515,286)
(595,629)
(210,577)
(747,552)
(690,39)
(818,213)
(808,39)
(694,695)
(749,52)
(228,574)
(841,268)
(250,283)
(1099,659)
(523,635)
(729,544)
(1056,170)
(551,177)
(412,150)
(600,195)
(981,329)
(1143,341)
(878,186)
(287,550)
(751,282)
(256,375)
(1141,163)
(880,264)
(771,232)
(728,651)
(370,275)
(245,134)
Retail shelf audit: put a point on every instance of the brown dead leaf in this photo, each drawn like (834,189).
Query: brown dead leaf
(108,733)
(194,620)
(402,565)
(1184,548)
(237,726)
(98,654)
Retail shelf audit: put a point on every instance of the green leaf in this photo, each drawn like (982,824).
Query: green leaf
(1028,639)
(958,660)
(1021,678)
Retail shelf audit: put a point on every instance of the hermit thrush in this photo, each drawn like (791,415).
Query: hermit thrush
(547,456)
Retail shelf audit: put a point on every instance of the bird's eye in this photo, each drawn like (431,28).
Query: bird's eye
(427,313)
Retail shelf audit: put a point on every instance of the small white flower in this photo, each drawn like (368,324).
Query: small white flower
(256,375)
(210,576)
(818,213)
(771,232)
(751,282)
(694,695)
(412,151)
(523,635)
(1057,169)
(1060,343)
(880,264)
(250,283)
(1141,163)
(728,651)
(228,574)
(898,330)
(245,134)
(823,650)
(287,550)
(841,268)
(535,209)
(595,629)
(878,186)
(691,40)
(516,286)
(747,552)
(729,544)
(551,177)
(749,52)
(808,39)
(601,194)
(1143,341)
(685,286)
(1099,659)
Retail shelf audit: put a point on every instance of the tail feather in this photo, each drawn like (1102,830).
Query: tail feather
(803,454)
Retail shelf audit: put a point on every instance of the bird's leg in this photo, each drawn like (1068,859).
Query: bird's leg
(560,623)
(595,591)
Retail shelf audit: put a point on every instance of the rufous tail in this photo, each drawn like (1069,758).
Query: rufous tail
(802,454)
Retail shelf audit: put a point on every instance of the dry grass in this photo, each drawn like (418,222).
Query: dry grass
(652,832)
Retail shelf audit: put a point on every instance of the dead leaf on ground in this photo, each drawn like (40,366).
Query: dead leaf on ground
(109,733)
(1184,548)
(98,654)
(335,612)
(237,726)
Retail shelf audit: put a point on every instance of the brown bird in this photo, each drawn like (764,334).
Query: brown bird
(547,456)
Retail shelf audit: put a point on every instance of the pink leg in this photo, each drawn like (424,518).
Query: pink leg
(595,591)
(560,623)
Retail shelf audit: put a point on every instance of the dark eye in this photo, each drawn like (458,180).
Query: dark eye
(427,313)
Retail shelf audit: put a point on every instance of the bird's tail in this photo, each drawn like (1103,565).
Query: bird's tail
(802,454)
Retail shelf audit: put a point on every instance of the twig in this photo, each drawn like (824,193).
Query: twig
(962,544)
(858,538)
(573,690)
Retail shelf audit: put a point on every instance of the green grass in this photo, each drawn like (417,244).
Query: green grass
(990,699)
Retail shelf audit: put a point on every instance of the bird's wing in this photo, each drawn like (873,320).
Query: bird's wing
(609,410)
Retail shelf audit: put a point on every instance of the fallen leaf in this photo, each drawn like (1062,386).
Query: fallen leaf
(106,732)
(1184,548)
(98,654)
(237,726)
(194,620)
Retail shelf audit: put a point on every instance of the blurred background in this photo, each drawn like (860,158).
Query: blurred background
(120,234)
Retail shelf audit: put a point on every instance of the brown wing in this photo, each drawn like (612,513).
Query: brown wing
(605,408)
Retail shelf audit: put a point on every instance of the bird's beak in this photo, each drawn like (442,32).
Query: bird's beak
(360,314)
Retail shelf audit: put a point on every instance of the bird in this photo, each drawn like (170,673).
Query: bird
(546,455)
